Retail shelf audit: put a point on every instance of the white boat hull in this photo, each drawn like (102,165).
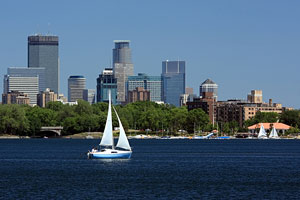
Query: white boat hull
(109,154)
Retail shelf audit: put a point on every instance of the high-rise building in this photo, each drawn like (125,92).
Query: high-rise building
(46,96)
(76,86)
(27,85)
(173,77)
(89,95)
(106,81)
(29,72)
(209,86)
(255,96)
(43,53)
(122,67)
(151,83)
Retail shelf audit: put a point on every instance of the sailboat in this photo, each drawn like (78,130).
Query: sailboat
(273,134)
(262,133)
(107,148)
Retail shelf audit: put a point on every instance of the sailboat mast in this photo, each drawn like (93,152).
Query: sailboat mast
(109,107)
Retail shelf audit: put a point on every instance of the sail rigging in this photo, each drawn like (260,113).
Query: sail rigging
(107,138)
(273,133)
(262,133)
(123,141)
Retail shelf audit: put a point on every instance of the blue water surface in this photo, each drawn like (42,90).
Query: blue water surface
(158,169)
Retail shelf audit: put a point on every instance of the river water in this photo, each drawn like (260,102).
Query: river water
(158,169)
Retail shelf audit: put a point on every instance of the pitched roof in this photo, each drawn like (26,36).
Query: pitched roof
(208,81)
(278,126)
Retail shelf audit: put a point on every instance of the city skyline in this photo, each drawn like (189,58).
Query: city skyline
(240,45)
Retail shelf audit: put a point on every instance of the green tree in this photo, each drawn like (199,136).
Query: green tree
(291,118)
(197,119)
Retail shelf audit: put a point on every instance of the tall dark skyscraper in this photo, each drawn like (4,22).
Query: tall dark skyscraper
(122,67)
(173,77)
(43,53)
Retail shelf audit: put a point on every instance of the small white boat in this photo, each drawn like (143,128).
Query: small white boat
(273,134)
(262,133)
(107,148)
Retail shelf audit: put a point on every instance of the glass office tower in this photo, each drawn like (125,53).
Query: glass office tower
(173,77)
(122,67)
(150,83)
(43,53)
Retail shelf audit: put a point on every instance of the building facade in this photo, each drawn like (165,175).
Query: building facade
(106,81)
(173,78)
(29,72)
(43,53)
(207,103)
(89,95)
(153,84)
(76,86)
(209,86)
(15,97)
(122,67)
(255,96)
(139,94)
(27,85)
(45,97)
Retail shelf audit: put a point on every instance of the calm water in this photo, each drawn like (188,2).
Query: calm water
(158,169)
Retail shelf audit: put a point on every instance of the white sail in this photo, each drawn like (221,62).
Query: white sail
(262,133)
(273,133)
(107,138)
(123,141)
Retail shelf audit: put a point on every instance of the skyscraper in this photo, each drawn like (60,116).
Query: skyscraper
(106,81)
(76,86)
(43,53)
(150,83)
(209,86)
(173,77)
(122,67)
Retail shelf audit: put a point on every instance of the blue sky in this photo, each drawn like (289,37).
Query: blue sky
(241,44)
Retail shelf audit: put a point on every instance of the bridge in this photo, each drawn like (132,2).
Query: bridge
(55,129)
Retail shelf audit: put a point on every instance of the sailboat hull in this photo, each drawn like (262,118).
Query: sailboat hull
(110,154)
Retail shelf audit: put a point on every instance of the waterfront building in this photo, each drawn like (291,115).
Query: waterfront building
(106,81)
(43,53)
(173,77)
(139,94)
(240,110)
(207,103)
(89,95)
(122,67)
(15,97)
(255,96)
(280,127)
(153,84)
(76,86)
(46,96)
(29,72)
(209,86)
(27,85)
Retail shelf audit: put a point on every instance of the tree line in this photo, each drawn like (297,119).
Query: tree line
(24,120)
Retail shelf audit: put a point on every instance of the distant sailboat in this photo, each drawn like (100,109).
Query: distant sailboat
(262,133)
(273,134)
(107,148)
